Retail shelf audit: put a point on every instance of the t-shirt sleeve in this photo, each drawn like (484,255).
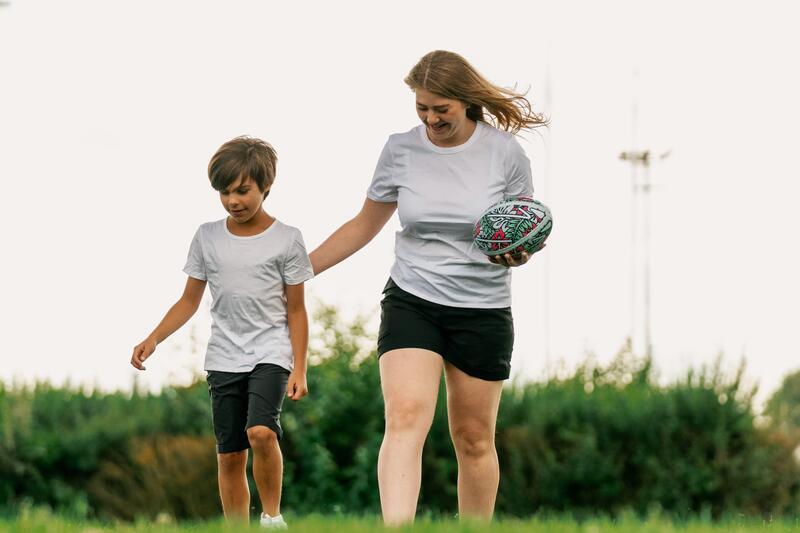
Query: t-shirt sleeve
(195,264)
(297,266)
(519,181)
(384,186)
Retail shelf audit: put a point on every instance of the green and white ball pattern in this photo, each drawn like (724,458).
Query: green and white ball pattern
(514,225)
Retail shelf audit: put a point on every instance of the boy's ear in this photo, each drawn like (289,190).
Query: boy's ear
(266,192)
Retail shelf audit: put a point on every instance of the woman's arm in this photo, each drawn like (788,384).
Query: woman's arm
(353,235)
(177,316)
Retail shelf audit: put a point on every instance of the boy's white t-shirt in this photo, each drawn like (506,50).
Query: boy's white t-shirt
(246,276)
(440,194)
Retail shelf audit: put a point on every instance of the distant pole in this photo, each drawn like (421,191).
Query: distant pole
(634,154)
(640,159)
(648,345)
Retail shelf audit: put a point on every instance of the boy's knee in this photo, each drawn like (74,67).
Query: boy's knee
(261,437)
(232,460)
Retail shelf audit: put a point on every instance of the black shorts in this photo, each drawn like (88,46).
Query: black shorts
(241,400)
(477,341)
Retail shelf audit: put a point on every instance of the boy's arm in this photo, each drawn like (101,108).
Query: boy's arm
(177,316)
(297,319)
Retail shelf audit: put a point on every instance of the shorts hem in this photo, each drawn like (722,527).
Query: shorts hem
(231,448)
(383,349)
(485,376)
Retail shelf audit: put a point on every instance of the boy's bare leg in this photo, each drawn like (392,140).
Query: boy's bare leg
(233,489)
(267,467)
(410,383)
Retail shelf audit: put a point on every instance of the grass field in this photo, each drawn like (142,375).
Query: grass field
(45,522)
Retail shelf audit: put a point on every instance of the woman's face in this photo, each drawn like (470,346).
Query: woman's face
(445,120)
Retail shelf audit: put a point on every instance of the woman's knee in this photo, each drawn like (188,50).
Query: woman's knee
(473,440)
(408,416)
(261,438)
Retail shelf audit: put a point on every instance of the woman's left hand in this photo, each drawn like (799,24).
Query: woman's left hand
(508,260)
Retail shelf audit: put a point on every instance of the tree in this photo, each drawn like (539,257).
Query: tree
(783,408)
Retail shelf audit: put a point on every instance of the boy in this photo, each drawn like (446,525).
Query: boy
(255,266)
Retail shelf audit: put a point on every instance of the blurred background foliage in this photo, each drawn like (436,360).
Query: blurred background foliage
(604,439)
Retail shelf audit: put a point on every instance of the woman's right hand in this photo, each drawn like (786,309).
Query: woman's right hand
(508,260)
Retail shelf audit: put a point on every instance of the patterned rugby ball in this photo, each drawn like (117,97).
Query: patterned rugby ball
(513,225)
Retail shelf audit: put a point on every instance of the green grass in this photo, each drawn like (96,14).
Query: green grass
(39,520)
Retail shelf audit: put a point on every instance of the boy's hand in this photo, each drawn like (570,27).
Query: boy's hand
(297,387)
(142,351)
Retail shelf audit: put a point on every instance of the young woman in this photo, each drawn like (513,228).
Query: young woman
(446,305)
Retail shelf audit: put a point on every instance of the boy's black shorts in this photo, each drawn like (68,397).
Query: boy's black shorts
(241,400)
(477,341)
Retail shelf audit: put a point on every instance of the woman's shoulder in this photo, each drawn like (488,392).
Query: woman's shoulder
(505,141)
(405,137)
(488,131)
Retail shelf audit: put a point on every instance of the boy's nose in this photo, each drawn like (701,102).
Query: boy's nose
(432,119)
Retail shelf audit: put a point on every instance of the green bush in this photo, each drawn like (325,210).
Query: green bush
(606,439)
(54,439)
(158,474)
(611,439)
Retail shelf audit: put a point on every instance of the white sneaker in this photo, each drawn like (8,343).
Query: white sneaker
(273,522)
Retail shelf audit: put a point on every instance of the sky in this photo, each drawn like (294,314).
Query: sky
(110,111)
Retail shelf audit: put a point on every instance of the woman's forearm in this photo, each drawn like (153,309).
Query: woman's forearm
(352,235)
(344,242)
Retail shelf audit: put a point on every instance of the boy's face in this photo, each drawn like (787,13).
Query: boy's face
(242,199)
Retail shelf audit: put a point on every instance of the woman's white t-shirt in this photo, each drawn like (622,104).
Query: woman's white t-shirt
(440,194)
(246,276)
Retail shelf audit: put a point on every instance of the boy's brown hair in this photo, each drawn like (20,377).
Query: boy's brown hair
(243,157)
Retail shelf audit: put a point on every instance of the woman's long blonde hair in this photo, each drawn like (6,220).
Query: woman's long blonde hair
(449,75)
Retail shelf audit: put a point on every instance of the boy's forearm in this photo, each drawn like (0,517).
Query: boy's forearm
(176,317)
(298,335)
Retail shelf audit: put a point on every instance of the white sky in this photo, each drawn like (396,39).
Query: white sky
(109,112)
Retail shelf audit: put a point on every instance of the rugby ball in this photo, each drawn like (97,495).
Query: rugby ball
(513,225)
